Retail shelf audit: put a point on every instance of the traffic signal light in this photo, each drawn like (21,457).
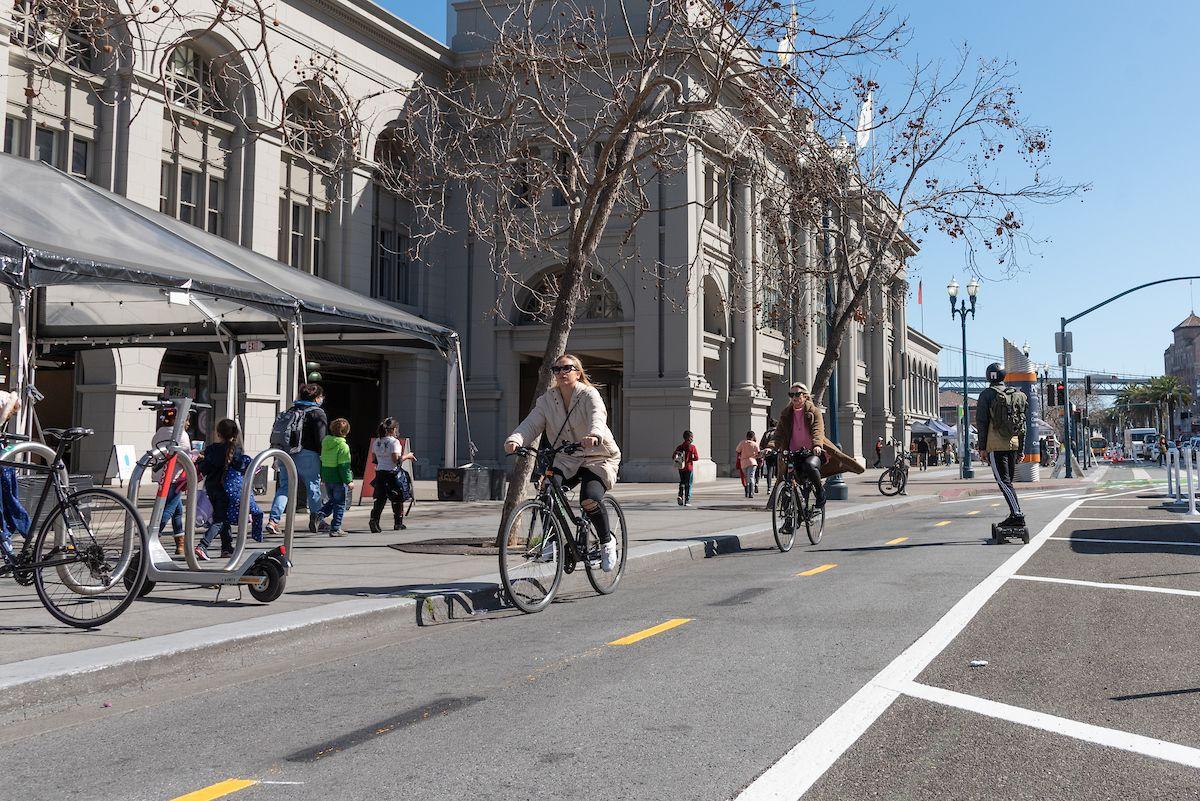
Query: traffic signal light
(1087,385)
(312,371)
(1060,391)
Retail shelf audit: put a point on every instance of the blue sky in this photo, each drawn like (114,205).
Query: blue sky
(1115,83)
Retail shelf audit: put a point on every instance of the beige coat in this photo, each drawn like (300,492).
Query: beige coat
(588,418)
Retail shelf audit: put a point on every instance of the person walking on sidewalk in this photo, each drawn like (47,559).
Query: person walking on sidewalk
(747,455)
(801,428)
(335,472)
(878,451)
(766,462)
(173,510)
(389,484)
(574,411)
(1162,449)
(310,425)
(923,453)
(685,457)
(1000,421)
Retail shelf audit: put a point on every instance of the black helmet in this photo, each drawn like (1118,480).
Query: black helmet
(995,373)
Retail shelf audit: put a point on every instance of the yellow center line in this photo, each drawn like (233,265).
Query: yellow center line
(817,570)
(650,632)
(994,505)
(973,512)
(218,790)
(896,541)
(943,523)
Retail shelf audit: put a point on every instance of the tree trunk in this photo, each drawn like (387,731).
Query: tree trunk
(561,324)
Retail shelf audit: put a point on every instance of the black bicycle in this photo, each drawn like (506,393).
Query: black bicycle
(84,560)
(536,548)
(794,503)
(894,479)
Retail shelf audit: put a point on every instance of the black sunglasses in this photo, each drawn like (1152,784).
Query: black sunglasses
(562,368)
(797,394)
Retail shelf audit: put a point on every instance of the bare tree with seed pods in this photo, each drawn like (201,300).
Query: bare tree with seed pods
(566,118)
(953,155)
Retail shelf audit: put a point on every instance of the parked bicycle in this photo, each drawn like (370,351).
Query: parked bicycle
(894,480)
(793,503)
(536,547)
(85,542)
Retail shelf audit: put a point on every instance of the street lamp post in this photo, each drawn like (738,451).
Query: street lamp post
(962,310)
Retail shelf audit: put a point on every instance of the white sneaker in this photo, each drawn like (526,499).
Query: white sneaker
(608,555)
(548,552)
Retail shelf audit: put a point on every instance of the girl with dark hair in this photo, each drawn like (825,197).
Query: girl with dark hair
(223,467)
(389,458)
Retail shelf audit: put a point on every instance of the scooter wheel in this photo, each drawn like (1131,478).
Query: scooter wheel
(1025,536)
(276,580)
(131,571)
(997,535)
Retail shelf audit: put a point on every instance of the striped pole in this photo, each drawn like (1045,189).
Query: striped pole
(1022,376)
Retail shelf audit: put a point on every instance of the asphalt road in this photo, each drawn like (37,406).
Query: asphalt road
(536,707)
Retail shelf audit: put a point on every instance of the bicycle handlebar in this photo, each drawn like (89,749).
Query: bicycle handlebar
(169,403)
(567,448)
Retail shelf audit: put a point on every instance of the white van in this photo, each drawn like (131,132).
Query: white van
(1141,443)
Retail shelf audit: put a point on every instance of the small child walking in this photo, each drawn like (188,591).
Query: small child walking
(389,464)
(335,472)
(685,457)
(747,457)
(223,466)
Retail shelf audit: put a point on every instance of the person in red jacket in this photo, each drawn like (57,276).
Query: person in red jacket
(685,457)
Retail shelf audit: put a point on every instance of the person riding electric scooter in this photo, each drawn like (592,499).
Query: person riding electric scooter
(1000,421)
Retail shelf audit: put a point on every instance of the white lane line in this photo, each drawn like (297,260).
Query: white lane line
(807,761)
(1089,505)
(1127,542)
(1125,741)
(1161,523)
(1103,586)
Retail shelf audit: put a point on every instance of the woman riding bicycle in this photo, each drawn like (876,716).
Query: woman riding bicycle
(572,410)
(801,428)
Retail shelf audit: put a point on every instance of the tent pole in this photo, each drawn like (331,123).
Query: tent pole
(18,358)
(451,408)
(290,383)
(231,381)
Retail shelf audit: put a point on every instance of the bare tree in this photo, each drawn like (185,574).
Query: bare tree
(954,156)
(569,117)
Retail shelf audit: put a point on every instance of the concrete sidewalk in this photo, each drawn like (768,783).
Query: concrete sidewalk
(358,586)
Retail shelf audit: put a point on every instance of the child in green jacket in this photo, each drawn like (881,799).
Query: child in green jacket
(335,472)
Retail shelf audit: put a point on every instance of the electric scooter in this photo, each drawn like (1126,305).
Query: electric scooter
(261,570)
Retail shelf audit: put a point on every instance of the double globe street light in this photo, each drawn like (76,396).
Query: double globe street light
(962,310)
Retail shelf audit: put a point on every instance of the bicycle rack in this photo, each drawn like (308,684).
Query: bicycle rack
(162,568)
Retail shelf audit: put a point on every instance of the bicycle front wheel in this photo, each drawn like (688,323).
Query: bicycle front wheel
(83,550)
(889,484)
(814,518)
(531,556)
(784,509)
(602,582)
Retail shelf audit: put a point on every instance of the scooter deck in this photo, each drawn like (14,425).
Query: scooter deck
(1002,534)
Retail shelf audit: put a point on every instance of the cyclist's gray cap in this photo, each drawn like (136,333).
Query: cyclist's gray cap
(800,385)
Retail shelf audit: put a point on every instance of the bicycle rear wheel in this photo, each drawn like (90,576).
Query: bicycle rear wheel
(889,483)
(531,556)
(784,507)
(84,548)
(602,582)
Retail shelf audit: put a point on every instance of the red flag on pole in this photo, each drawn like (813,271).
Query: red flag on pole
(920,286)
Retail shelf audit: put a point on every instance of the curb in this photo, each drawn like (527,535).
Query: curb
(52,684)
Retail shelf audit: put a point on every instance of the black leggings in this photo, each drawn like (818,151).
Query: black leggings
(1004,468)
(810,467)
(383,480)
(590,493)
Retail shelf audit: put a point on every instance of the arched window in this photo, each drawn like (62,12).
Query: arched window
(312,132)
(395,277)
(599,303)
(201,140)
(62,116)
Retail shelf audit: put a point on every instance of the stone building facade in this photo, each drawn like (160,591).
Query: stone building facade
(681,358)
(1182,360)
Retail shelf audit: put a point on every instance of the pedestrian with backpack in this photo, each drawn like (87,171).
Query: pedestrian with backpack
(391,481)
(299,431)
(1000,421)
(685,457)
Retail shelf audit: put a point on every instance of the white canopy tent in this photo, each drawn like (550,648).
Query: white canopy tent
(86,268)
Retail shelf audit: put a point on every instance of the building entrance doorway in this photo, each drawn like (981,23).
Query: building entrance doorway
(354,390)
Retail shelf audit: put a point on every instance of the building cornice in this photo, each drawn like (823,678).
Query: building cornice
(924,341)
(389,30)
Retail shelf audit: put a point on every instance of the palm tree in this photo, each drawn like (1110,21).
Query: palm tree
(1133,398)
(1168,390)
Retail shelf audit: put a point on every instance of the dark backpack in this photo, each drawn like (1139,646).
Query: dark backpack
(1007,412)
(289,429)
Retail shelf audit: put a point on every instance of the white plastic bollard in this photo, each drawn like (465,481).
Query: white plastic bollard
(1173,490)
(1191,495)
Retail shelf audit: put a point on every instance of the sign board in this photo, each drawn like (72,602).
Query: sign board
(1062,342)
(368,491)
(1064,360)
(121,461)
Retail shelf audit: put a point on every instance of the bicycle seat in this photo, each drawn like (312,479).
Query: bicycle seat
(68,434)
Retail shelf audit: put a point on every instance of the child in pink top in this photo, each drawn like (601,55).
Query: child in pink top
(747,457)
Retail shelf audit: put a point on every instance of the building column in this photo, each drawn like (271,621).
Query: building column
(749,408)
(111,385)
